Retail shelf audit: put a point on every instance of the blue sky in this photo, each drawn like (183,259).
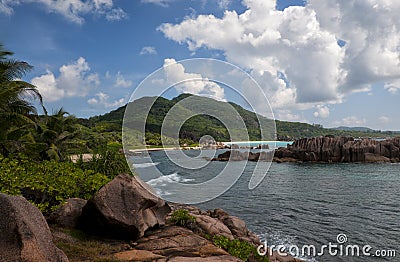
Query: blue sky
(89,56)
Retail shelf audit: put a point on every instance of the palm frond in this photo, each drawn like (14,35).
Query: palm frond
(11,69)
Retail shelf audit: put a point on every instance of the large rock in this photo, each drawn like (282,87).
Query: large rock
(324,149)
(205,259)
(236,226)
(68,214)
(137,255)
(25,235)
(232,155)
(175,243)
(236,155)
(212,226)
(374,158)
(340,149)
(124,208)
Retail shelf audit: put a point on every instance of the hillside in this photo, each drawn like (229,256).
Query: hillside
(357,128)
(199,125)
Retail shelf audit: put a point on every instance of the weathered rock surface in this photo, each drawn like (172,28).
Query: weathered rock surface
(212,226)
(325,149)
(236,226)
(205,259)
(124,209)
(341,149)
(137,255)
(25,235)
(236,155)
(175,243)
(68,214)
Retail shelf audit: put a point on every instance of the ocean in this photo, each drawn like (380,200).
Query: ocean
(271,144)
(302,204)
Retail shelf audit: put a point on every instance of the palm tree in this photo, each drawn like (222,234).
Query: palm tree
(16,109)
(56,131)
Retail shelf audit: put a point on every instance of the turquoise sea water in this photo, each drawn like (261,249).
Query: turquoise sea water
(303,204)
(272,144)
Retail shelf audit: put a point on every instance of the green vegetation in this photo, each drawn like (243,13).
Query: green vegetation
(107,162)
(44,137)
(197,126)
(48,184)
(292,130)
(17,113)
(181,217)
(35,149)
(240,249)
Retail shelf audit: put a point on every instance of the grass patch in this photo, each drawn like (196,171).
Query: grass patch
(79,246)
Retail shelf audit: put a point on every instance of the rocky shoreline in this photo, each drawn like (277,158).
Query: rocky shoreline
(141,226)
(326,149)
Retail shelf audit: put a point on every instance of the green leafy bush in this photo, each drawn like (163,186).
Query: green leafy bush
(48,184)
(238,248)
(181,217)
(106,161)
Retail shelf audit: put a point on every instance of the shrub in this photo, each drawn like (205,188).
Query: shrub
(48,184)
(238,248)
(181,217)
(108,162)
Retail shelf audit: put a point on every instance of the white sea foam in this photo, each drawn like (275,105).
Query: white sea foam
(144,165)
(159,192)
(165,180)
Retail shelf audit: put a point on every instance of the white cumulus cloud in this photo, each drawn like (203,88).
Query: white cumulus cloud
(287,115)
(322,111)
(73,10)
(384,119)
(74,80)
(300,45)
(192,83)
(148,50)
(120,81)
(47,86)
(353,121)
(224,4)
(371,31)
(265,40)
(116,14)
(6,6)
(103,100)
(393,86)
(163,3)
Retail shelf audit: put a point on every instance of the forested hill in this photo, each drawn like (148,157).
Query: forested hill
(201,125)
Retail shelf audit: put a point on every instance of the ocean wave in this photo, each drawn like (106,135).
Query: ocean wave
(161,193)
(144,165)
(165,180)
